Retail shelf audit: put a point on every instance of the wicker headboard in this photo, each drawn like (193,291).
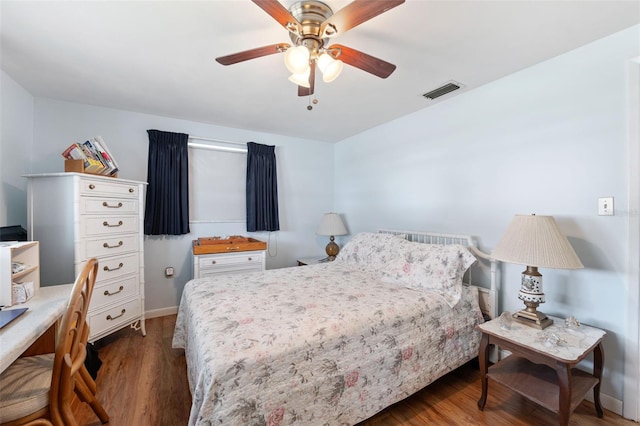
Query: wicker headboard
(488,297)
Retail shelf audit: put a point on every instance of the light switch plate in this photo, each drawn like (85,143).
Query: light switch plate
(605,206)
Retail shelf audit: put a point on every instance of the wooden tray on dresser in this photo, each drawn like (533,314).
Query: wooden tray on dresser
(208,245)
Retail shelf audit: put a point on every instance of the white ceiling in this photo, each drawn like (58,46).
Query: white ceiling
(158,57)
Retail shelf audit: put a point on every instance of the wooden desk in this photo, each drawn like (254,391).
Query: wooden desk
(542,371)
(45,309)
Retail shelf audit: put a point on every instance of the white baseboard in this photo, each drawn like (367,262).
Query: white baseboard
(608,402)
(172,310)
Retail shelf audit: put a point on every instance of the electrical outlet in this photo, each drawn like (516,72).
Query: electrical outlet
(168,272)
(605,206)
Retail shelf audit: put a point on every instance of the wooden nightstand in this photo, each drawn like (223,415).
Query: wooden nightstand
(540,371)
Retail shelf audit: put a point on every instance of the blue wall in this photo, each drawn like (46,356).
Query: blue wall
(550,140)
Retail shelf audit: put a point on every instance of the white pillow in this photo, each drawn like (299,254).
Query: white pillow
(431,268)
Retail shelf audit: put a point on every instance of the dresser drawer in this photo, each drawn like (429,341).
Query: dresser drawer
(114,317)
(114,291)
(109,225)
(230,269)
(97,187)
(109,246)
(206,265)
(115,267)
(108,206)
(224,262)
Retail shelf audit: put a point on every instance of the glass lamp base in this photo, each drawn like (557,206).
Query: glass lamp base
(332,249)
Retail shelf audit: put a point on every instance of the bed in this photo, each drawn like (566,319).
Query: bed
(334,343)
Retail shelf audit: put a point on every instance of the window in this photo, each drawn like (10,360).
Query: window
(217,176)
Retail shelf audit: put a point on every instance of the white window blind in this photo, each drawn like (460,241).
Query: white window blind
(217,176)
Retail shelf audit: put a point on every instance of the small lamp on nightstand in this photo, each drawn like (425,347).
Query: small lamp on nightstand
(331,225)
(535,241)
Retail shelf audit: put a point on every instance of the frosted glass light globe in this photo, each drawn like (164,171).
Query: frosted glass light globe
(297,59)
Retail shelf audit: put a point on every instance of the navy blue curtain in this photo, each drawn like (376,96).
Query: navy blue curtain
(167,205)
(262,188)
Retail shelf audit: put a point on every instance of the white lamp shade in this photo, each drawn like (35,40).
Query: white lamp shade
(297,59)
(330,67)
(534,240)
(301,79)
(331,224)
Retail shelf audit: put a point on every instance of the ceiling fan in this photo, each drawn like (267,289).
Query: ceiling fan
(311,24)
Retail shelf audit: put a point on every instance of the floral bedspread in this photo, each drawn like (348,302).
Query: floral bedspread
(325,344)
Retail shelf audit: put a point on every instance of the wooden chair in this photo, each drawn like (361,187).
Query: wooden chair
(38,390)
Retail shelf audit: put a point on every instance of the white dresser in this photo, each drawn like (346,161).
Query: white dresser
(206,265)
(77,216)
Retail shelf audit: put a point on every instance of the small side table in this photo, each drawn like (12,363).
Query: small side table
(311,261)
(540,371)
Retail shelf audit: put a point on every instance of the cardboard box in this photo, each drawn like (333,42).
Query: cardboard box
(77,166)
(233,243)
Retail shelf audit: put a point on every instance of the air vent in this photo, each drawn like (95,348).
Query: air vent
(443,90)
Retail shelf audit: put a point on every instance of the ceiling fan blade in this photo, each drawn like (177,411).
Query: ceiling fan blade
(278,12)
(307,91)
(355,13)
(368,63)
(253,53)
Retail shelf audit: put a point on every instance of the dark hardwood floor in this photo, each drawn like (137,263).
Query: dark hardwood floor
(143,382)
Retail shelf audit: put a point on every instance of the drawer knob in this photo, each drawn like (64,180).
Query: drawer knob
(131,190)
(250,259)
(107,224)
(106,245)
(213,262)
(107,205)
(109,317)
(107,293)
(107,269)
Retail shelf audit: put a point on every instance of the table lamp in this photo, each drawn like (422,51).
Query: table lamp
(535,241)
(331,225)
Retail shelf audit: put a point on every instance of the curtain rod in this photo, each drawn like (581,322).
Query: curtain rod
(216,140)
(217,147)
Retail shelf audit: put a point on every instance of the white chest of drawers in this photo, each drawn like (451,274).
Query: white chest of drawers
(78,216)
(206,265)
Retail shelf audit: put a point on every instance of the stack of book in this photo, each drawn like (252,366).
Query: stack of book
(94,155)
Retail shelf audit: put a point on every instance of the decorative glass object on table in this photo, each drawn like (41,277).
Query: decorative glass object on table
(572,323)
(506,320)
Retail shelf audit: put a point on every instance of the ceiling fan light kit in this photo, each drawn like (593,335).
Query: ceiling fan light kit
(331,68)
(301,79)
(296,59)
(311,24)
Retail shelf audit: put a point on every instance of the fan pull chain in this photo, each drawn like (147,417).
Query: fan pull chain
(314,101)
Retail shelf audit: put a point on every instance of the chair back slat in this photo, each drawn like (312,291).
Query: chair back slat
(71,345)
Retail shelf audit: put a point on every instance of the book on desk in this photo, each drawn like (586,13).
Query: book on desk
(8,315)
